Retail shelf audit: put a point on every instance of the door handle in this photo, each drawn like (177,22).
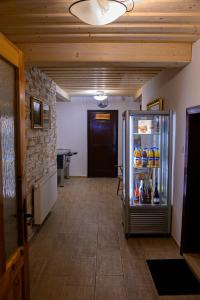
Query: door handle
(28,218)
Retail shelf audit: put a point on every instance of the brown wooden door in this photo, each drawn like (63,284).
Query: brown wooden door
(190,242)
(102,143)
(14,279)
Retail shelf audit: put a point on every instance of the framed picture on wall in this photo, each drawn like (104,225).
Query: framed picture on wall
(46,116)
(157,104)
(36,113)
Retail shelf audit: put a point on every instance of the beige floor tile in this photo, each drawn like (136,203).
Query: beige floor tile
(48,288)
(110,293)
(110,287)
(109,262)
(77,293)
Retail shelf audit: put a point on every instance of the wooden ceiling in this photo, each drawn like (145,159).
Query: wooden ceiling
(114,81)
(55,41)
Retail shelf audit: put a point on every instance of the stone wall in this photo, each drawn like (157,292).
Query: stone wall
(40,143)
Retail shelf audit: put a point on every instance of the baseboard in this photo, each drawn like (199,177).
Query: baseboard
(83,176)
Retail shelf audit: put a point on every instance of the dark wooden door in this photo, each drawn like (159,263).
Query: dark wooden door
(102,143)
(190,241)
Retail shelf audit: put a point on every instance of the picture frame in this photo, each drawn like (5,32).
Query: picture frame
(46,116)
(36,113)
(157,104)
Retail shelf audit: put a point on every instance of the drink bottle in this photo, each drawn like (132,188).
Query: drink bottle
(144,158)
(149,192)
(136,195)
(157,157)
(137,157)
(156,196)
(143,193)
(150,155)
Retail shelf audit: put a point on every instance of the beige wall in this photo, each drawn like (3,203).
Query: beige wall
(180,89)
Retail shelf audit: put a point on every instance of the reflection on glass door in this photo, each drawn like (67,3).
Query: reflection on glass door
(7,155)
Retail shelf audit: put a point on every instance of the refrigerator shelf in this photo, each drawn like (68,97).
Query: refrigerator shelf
(144,206)
(145,168)
(153,133)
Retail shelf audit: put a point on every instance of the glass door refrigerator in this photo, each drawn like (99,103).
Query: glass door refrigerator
(146,172)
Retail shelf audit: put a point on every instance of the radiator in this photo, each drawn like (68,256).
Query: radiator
(45,195)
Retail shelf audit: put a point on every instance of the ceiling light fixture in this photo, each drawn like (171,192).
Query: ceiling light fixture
(100,12)
(100,96)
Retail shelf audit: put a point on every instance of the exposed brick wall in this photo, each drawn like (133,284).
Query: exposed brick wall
(40,143)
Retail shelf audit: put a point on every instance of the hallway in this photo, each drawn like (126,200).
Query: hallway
(80,252)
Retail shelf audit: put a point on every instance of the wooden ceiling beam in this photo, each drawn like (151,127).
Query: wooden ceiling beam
(140,54)
(129,81)
(91,92)
(91,72)
(96,76)
(106,87)
(65,17)
(107,37)
(32,28)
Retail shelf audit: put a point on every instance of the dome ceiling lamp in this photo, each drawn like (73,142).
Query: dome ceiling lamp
(100,12)
(100,96)
(102,99)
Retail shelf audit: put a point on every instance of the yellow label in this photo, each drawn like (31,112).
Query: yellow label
(102,116)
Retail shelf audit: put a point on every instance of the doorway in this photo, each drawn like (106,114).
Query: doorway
(102,143)
(190,241)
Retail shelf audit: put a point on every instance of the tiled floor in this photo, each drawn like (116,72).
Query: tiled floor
(80,253)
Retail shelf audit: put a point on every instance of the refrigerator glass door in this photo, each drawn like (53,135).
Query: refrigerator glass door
(149,156)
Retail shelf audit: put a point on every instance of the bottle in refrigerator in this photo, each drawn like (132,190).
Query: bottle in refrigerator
(156,157)
(150,156)
(143,192)
(137,157)
(156,196)
(149,192)
(144,158)
(136,195)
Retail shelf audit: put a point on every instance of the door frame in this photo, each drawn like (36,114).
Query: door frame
(18,262)
(101,111)
(189,111)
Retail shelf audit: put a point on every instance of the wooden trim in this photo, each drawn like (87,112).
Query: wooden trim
(8,51)
(189,111)
(2,238)
(21,114)
(13,268)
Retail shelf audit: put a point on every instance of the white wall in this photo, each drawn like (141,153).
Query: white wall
(180,89)
(72,127)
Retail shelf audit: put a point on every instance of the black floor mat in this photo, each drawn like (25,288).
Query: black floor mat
(173,277)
